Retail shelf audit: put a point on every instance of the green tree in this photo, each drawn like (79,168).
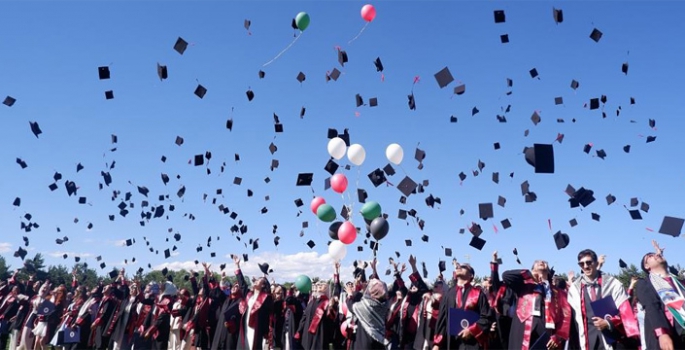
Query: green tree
(626,274)
(4,269)
(59,275)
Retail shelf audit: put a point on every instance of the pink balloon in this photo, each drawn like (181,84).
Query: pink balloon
(368,12)
(343,328)
(316,202)
(339,183)
(347,233)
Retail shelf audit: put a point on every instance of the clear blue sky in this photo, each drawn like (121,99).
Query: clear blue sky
(50,53)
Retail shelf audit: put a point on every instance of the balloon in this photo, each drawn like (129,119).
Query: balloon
(529,152)
(326,213)
(347,233)
(339,183)
(371,210)
(337,148)
(337,250)
(394,153)
(343,327)
(368,12)
(302,21)
(379,228)
(303,284)
(333,230)
(356,154)
(316,202)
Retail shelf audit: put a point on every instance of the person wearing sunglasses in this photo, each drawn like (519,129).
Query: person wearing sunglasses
(663,297)
(586,293)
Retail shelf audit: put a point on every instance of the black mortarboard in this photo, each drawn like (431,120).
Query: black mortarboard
(20,253)
(373,102)
(595,216)
(444,77)
(408,242)
(378,64)
(505,224)
(485,211)
(624,68)
(342,57)
(9,101)
(495,177)
(301,77)
(362,195)
(622,264)
(561,240)
(644,207)
(335,74)
(162,72)
(278,127)
(448,251)
(331,167)
(180,46)
(610,199)
(504,38)
(229,125)
(250,95)
(558,100)
(35,129)
(477,242)
(109,94)
(533,73)
(200,91)
(425,238)
(407,186)
(411,102)
(635,214)
(460,89)
(543,160)
(113,274)
(264,267)
(304,179)
(582,197)
(501,201)
(651,139)
(311,244)
(499,16)
(558,15)
(359,100)
(103,72)
(671,226)
(103,265)
(596,35)
(573,222)
(601,153)
(262,74)
(634,202)
(22,163)
(199,160)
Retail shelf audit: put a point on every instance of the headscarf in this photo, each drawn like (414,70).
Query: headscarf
(372,310)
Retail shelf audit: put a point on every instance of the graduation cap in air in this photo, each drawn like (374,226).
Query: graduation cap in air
(109,94)
(9,101)
(558,15)
(342,57)
(541,157)
(261,74)
(335,74)
(35,128)
(504,38)
(162,72)
(671,226)
(378,64)
(103,73)
(200,91)
(411,101)
(304,179)
(533,73)
(181,45)
(264,267)
(460,89)
(624,68)
(486,211)
(20,253)
(444,77)
(477,242)
(561,240)
(596,35)
(499,16)
(250,94)
(301,77)
(581,197)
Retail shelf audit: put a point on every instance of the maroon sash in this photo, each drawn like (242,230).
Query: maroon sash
(320,311)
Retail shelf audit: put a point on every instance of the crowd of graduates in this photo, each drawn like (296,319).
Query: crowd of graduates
(521,309)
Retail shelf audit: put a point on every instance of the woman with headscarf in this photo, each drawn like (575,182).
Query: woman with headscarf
(256,309)
(370,310)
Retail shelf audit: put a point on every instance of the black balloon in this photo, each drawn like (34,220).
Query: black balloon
(379,228)
(333,230)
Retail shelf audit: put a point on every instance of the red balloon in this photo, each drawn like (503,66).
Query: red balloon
(343,328)
(339,183)
(368,12)
(316,202)
(347,233)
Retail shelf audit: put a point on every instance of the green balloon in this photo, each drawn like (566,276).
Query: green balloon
(302,21)
(325,212)
(371,210)
(303,284)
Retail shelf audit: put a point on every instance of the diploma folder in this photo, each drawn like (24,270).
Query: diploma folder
(460,319)
(605,308)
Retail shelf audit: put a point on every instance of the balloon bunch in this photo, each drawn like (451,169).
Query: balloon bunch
(300,22)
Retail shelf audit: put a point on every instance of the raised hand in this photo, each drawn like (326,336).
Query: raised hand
(571,276)
(412,260)
(455,263)
(404,268)
(236,260)
(494,257)
(601,259)
(337,267)
(657,249)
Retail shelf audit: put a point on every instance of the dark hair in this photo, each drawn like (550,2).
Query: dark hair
(642,263)
(587,252)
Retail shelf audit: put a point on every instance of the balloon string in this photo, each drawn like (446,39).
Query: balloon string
(360,33)
(284,50)
(318,228)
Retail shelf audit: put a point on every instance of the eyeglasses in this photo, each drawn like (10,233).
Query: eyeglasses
(585,263)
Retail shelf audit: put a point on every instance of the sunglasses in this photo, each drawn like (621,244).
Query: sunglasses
(585,263)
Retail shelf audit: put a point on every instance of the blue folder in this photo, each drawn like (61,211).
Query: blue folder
(541,343)
(460,319)
(45,308)
(72,335)
(605,308)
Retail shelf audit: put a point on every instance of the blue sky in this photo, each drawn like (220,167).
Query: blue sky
(51,51)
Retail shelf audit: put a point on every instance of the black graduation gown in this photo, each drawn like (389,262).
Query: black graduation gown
(278,323)
(326,332)
(501,309)
(482,327)
(293,316)
(232,316)
(655,317)
(262,329)
(163,325)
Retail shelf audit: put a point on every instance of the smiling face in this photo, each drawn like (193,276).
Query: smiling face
(588,265)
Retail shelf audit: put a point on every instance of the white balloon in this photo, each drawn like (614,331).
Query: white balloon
(337,148)
(394,153)
(356,154)
(337,250)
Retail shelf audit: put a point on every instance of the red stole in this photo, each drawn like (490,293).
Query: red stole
(318,314)
(255,308)
(115,317)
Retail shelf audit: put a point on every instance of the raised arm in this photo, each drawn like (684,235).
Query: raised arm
(514,278)
(239,275)
(337,288)
(415,276)
(494,272)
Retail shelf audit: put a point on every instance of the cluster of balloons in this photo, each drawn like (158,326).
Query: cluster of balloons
(337,148)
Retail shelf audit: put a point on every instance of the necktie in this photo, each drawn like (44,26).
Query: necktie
(460,291)
(593,292)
